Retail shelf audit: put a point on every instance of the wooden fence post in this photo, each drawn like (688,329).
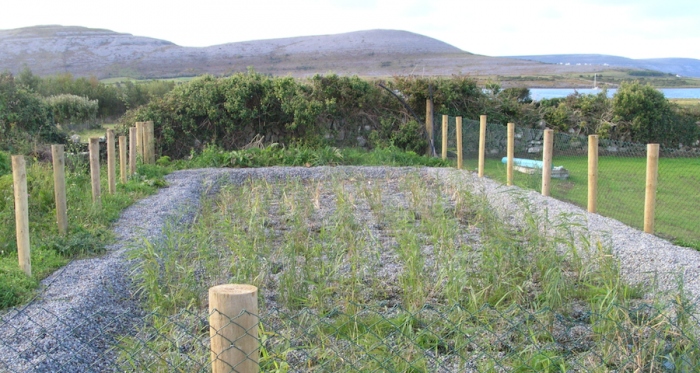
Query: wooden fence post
(547,161)
(458,128)
(59,188)
(233,327)
(132,150)
(111,163)
(139,139)
(122,159)
(482,144)
(429,125)
(445,120)
(592,173)
(95,170)
(650,193)
(510,153)
(19,177)
(151,142)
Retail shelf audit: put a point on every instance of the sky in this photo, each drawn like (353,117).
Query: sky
(627,28)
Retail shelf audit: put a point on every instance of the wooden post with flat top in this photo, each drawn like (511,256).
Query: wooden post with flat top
(233,328)
(122,159)
(592,173)
(94,148)
(19,178)
(510,153)
(132,150)
(482,144)
(651,182)
(111,163)
(547,151)
(460,155)
(149,153)
(139,140)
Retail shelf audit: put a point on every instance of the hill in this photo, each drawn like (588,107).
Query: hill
(685,67)
(49,50)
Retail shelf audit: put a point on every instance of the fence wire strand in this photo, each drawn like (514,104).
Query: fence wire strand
(434,338)
(621,175)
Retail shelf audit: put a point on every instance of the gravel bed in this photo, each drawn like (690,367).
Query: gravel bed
(83,307)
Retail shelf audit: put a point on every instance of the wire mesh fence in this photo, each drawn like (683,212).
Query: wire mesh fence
(356,338)
(621,174)
(590,334)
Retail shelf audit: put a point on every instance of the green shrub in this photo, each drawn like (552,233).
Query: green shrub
(643,115)
(70,109)
(24,118)
(5,163)
(410,137)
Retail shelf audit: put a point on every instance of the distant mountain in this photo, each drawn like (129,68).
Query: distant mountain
(49,50)
(686,67)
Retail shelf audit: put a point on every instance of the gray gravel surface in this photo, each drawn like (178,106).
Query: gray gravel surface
(84,306)
(644,258)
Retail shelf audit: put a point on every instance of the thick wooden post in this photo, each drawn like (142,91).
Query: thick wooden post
(429,125)
(149,155)
(146,142)
(132,150)
(510,153)
(592,173)
(445,120)
(460,155)
(122,159)
(650,194)
(152,141)
(233,323)
(111,163)
(139,140)
(19,178)
(95,170)
(547,161)
(482,144)
(59,188)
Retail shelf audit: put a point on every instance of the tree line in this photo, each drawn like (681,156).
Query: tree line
(325,109)
(44,109)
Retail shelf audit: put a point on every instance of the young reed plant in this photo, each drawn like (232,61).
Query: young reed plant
(415,274)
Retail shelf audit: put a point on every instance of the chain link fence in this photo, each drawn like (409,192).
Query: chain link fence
(621,174)
(356,338)
(643,335)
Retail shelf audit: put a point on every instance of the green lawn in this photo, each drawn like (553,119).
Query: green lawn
(621,191)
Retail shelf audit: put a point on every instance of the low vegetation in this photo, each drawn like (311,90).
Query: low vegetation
(621,191)
(88,228)
(218,122)
(403,273)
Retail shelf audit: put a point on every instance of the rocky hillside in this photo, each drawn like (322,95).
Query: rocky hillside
(49,50)
(685,67)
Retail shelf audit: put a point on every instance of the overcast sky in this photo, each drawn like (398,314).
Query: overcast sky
(628,28)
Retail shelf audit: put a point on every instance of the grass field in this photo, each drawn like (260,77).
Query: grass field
(621,191)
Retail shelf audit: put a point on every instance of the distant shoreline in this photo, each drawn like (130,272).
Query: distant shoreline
(673,93)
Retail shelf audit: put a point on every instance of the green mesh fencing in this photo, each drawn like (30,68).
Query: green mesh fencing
(435,338)
(621,175)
